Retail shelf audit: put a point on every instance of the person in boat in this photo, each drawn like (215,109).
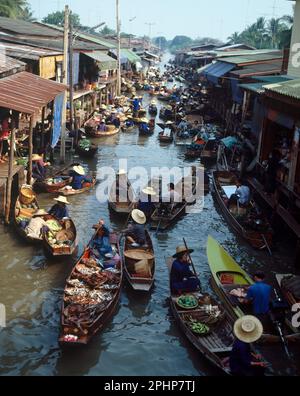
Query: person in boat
(144,126)
(101,243)
(36,224)
(242,196)
(183,280)
(102,126)
(169,111)
(117,122)
(183,125)
(243,362)
(129,122)
(136,106)
(146,204)
(136,233)
(79,178)
(60,209)
(259,296)
(39,167)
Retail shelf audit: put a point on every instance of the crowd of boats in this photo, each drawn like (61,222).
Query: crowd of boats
(93,289)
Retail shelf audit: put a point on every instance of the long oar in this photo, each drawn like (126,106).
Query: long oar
(190,257)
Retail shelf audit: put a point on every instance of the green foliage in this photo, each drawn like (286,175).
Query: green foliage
(57,18)
(106,31)
(161,42)
(12,8)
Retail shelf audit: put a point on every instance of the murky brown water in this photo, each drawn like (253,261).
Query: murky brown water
(142,338)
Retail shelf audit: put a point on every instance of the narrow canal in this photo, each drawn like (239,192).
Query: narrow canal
(142,338)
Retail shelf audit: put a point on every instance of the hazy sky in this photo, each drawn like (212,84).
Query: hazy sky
(195,18)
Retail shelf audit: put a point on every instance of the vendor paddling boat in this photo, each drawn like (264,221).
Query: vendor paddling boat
(120,190)
(247,222)
(68,190)
(231,282)
(86,149)
(91,295)
(205,324)
(139,265)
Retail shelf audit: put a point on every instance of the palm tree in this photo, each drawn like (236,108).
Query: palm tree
(12,8)
(234,38)
(275,28)
(27,15)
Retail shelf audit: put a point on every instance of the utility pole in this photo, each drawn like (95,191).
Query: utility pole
(71,85)
(150,24)
(65,81)
(119,47)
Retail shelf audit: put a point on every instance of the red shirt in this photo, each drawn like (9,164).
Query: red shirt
(5,129)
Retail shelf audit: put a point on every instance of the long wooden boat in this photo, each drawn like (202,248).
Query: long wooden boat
(62,243)
(139,265)
(114,198)
(165,138)
(25,212)
(89,152)
(52,185)
(91,296)
(259,235)
(227,275)
(217,344)
(163,219)
(69,192)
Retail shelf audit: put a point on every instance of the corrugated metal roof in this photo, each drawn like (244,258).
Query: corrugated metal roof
(106,62)
(273,79)
(258,69)
(58,44)
(8,64)
(28,93)
(217,70)
(288,88)
(253,58)
(20,27)
(25,51)
(254,87)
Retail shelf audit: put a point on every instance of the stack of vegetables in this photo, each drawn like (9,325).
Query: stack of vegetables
(85,144)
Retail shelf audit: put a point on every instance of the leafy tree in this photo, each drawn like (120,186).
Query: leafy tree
(234,38)
(27,15)
(12,8)
(161,42)
(58,18)
(106,31)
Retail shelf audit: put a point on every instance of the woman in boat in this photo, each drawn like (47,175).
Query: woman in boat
(146,204)
(39,167)
(129,123)
(243,363)
(101,243)
(78,178)
(183,280)
(242,195)
(60,210)
(36,224)
(136,106)
(144,126)
(102,126)
(136,233)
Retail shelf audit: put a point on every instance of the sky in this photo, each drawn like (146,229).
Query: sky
(194,18)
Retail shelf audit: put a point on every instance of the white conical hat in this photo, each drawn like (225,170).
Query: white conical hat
(79,170)
(139,216)
(62,199)
(248,329)
(149,191)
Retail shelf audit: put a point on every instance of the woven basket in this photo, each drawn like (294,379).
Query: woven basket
(27,196)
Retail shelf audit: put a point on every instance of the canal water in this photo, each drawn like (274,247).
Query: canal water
(142,338)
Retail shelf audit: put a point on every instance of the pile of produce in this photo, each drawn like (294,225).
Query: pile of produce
(187,302)
(85,144)
(198,327)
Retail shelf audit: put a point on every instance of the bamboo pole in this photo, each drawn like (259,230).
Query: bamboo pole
(10,177)
(29,172)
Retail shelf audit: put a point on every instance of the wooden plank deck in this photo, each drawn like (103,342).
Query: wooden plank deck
(4,172)
(17,170)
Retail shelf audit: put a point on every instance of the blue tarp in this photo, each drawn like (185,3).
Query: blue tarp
(57,119)
(217,70)
(237,93)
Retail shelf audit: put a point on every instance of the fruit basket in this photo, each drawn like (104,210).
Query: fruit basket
(187,302)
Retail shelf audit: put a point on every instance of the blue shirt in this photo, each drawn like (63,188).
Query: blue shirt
(77,182)
(59,211)
(240,358)
(244,194)
(180,271)
(260,294)
(136,105)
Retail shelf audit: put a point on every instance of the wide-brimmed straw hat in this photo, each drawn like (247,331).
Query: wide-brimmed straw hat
(169,107)
(62,199)
(40,212)
(36,157)
(79,170)
(248,329)
(145,120)
(149,191)
(169,123)
(139,216)
(182,249)
(103,107)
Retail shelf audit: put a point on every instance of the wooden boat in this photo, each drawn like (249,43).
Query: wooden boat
(227,275)
(165,138)
(84,316)
(114,198)
(209,153)
(69,192)
(149,132)
(153,110)
(258,235)
(128,129)
(163,219)
(62,243)
(139,265)
(27,212)
(217,344)
(89,152)
(110,132)
(53,184)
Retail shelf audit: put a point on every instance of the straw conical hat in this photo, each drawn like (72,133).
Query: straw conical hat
(138,216)
(149,191)
(40,212)
(62,199)
(248,329)
(182,249)
(79,170)
(36,157)
(145,120)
